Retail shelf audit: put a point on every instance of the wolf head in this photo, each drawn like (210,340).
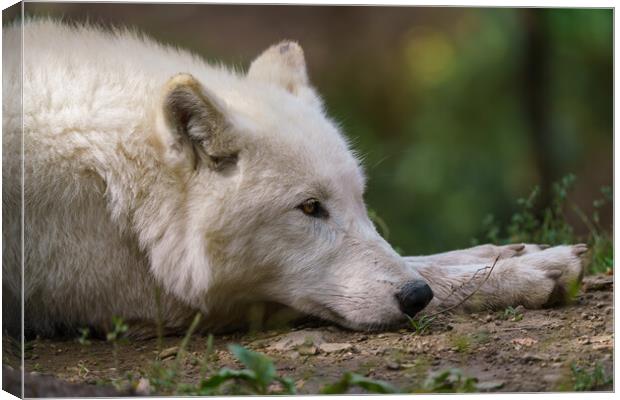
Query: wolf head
(272,202)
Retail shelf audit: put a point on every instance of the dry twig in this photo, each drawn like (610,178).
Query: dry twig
(469,295)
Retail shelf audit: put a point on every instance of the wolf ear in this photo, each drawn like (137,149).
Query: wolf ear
(284,65)
(197,123)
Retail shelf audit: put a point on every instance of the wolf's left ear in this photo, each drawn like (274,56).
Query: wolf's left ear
(284,65)
(197,128)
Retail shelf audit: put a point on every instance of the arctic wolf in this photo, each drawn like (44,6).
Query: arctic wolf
(150,174)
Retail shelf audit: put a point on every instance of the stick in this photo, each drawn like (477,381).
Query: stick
(469,295)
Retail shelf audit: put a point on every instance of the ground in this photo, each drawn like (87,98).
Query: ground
(510,350)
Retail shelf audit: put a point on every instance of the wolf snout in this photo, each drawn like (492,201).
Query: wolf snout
(413,297)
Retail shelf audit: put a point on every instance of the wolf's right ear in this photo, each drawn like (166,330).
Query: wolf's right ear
(195,124)
(284,65)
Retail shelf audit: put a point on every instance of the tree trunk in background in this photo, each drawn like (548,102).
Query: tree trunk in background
(535,75)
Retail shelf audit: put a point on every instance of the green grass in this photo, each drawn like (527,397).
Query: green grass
(549,225)
(119,327)
(587,380)
(420,324)
(512,314)
(449,381)
(461,343)
(84,335)
(258,377)
(350,380)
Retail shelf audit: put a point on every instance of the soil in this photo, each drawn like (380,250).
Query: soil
(529,354)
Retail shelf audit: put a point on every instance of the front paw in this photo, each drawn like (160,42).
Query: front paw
(491,251)
(558,272)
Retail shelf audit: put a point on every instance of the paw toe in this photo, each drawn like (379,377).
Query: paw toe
(516,247)
(553,274)
(580,249)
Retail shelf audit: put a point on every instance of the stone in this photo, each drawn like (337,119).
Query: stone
(393,366)
(335,347)
(490,385)
(169,352)
(292,340)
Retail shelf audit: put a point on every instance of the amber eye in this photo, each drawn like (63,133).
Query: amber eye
(313,208)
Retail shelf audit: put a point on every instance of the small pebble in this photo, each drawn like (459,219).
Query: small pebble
(489,385)
(169,352)
(393,366)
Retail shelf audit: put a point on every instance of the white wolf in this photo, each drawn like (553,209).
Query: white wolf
(149,171)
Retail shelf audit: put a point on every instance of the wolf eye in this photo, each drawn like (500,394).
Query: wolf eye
(313,208)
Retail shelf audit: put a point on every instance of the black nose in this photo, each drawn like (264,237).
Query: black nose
(413,297)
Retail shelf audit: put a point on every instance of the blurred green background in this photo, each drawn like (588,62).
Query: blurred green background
(457,111)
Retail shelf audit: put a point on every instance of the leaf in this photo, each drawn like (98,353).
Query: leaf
(225,374)
(262,366)
(351,379)
(372,385)
(288,384)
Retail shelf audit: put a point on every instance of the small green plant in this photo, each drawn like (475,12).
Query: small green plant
(208,355)
(549,225)
(450,381)
(83,338)
(164,379)
(600,241)
(119,327)
(258,377)
(481,337)
(512,314)
(350,380)
(461,343)
(420,324)
(82,370)
(585,380)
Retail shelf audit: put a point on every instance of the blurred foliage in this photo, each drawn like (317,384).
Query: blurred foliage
(456,111)
(548,225)
(461,150)
(589,380)
(351,379)
(450,381)
(258,377)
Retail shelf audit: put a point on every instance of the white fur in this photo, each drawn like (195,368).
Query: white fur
(119,206)
(115,208)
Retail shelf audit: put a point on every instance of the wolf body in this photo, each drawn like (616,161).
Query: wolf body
(157,185)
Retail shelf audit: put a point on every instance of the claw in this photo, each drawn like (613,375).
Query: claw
(517,247)
(580,249)
(553,274)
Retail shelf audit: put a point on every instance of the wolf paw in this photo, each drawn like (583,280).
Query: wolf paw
(554,273)
(491,251)
(530,248)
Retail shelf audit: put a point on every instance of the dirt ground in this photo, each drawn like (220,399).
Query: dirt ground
(507,353)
